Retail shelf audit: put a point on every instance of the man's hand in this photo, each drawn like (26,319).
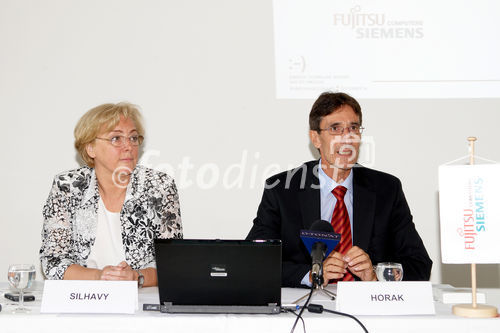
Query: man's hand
(358,262)
(334,267)
(355,260)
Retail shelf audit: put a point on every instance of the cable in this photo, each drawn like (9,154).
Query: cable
(317,308)
(299,316)
(302,319)
(348,315)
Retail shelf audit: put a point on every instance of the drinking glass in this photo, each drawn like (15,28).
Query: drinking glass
(21,277)
(389,271)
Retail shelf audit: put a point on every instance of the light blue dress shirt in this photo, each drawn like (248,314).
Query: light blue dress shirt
(328,201)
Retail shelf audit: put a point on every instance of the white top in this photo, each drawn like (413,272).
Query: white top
(108,246)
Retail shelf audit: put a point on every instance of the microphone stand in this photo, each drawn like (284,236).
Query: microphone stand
(318,287)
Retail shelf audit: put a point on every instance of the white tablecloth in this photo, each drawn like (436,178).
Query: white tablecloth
(153,322)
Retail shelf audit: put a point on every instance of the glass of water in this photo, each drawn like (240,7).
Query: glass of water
(21,277)
(389,271)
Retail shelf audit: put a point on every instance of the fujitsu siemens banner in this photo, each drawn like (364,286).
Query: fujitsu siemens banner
(469,205)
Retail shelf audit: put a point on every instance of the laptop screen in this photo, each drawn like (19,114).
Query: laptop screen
(218,272)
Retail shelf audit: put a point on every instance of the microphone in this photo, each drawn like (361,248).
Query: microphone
(319,240)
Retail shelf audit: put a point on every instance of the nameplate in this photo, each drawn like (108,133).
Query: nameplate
(385,298)
(70,296)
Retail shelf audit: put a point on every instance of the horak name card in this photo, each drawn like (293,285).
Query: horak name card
(70,296)
(385,298)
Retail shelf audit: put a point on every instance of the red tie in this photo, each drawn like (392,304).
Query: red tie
(341,225)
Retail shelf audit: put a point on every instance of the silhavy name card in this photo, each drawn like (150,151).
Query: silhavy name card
(385,298)
(469,209)
(70,296)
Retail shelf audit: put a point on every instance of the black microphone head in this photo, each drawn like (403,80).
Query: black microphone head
(321,225)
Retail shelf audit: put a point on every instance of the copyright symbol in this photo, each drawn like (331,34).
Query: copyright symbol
(121,176)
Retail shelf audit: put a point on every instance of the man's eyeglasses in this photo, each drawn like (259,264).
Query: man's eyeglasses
(120,140)
(339,130)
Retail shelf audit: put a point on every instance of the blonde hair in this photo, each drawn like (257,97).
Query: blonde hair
(103,118)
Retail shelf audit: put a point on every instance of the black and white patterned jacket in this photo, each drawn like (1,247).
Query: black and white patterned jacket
(150,210)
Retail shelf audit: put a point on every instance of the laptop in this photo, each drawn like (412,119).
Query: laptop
(219,276)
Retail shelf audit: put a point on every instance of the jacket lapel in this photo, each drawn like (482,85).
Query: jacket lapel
(364,201)
(309,196)
(91,194)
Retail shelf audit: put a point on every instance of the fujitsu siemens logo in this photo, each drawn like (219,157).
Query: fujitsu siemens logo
(371,25)
(355,18)
(474,214)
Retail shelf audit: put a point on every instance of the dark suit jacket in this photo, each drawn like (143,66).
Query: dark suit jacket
(383,225)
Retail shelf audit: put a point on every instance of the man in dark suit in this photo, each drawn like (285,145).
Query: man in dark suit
(373,217)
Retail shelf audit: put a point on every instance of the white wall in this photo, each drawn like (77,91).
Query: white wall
(203,74)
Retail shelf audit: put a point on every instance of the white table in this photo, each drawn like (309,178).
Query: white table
(157,322)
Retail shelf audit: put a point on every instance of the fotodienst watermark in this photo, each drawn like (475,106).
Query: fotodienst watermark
(248,171)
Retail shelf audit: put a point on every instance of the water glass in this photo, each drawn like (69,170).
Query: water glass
(21,277)
(389,271)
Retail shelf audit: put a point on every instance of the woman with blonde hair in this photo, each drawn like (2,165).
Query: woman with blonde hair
(100,220)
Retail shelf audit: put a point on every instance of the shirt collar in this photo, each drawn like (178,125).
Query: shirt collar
(327,184)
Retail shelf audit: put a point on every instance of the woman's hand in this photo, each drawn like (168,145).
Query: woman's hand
(120,272)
